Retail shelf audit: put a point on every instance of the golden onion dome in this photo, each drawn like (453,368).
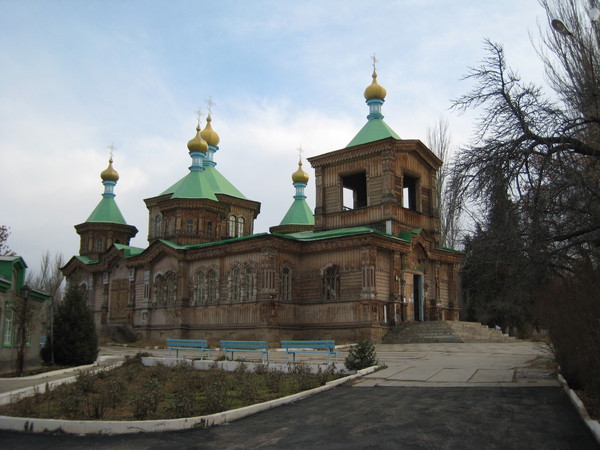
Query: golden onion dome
(209,135)
(109,174)
(374,90)
(197,144)
(300,176)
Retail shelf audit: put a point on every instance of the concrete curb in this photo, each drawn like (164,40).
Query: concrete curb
(7,397)
(593,425)
(84,427)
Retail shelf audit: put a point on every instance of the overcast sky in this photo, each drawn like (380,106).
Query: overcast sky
(77,75)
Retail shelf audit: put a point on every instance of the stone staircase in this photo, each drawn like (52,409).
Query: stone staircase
(444,331)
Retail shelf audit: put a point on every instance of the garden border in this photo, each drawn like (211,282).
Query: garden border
(91,427)
(593,425)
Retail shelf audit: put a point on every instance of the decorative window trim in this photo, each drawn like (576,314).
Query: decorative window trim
(212,286)
(231,226)
(331,283)
(240,226)
(8,326)
(158,225)
(199,288)
(286,284)
(165,288)
(235,284)
(189,226)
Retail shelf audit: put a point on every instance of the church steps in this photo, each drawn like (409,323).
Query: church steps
(444,331)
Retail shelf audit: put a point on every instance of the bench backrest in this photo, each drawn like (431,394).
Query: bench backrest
(326,345)
(194,343)
(245,345)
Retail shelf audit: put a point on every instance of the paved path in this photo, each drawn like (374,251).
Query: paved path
(506,364)
(456,396)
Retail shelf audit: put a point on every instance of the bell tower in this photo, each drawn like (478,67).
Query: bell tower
(106,225)
(378,180)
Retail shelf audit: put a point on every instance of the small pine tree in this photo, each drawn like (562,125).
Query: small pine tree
(361,356)
(75,337)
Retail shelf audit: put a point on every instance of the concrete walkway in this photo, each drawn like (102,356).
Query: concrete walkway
(459,396)
(446,365)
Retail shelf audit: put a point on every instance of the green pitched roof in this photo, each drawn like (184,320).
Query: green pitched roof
(329,234)
(128,250)
(86,260)
(8,264)
(374,130)
(203,184)
(298,214)
(107,211)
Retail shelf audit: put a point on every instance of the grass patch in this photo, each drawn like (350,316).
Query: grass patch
(136,392)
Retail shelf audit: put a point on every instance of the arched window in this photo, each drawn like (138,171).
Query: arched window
(200,292)
(240,230)
(159,292)
(211,286)
(248,284)
(99,244)
(165,289)
(331,283)
(231,227)
(209,228)
(235,290)
(189,226)
(9,322)
(286,284)
(158,226)
(171,281)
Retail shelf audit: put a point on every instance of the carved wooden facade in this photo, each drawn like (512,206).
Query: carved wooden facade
(361,271)
(372,260)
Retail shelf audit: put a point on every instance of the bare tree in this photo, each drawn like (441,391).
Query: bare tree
(49,278)
(448,205)
(543,149)
(4,234)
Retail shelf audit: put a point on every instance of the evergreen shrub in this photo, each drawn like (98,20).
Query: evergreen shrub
(361,355)
(75,336)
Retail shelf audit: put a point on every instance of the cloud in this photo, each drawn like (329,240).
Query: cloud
(77,76)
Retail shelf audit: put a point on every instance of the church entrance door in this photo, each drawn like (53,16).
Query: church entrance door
(419,304)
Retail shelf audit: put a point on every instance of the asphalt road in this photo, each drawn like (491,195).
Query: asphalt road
(381,417)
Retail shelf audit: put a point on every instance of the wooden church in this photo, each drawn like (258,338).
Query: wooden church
(343,272)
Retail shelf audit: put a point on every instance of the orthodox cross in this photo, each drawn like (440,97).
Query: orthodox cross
(375,61)
(210,104)
(111,147)
(198,115)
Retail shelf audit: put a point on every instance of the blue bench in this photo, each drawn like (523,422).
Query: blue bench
(43,340)
(232,347)
(187,344)
(293,347)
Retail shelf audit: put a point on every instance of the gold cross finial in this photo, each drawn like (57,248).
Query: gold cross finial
(198,115)
(375,61)
(300,151)
(210,104)
(111,147)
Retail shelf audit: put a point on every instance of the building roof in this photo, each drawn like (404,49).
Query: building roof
(128,250)
(8,263)
(203,184)
(298,214)
(107,211)
(374,130)
(86,260)
(339,232)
